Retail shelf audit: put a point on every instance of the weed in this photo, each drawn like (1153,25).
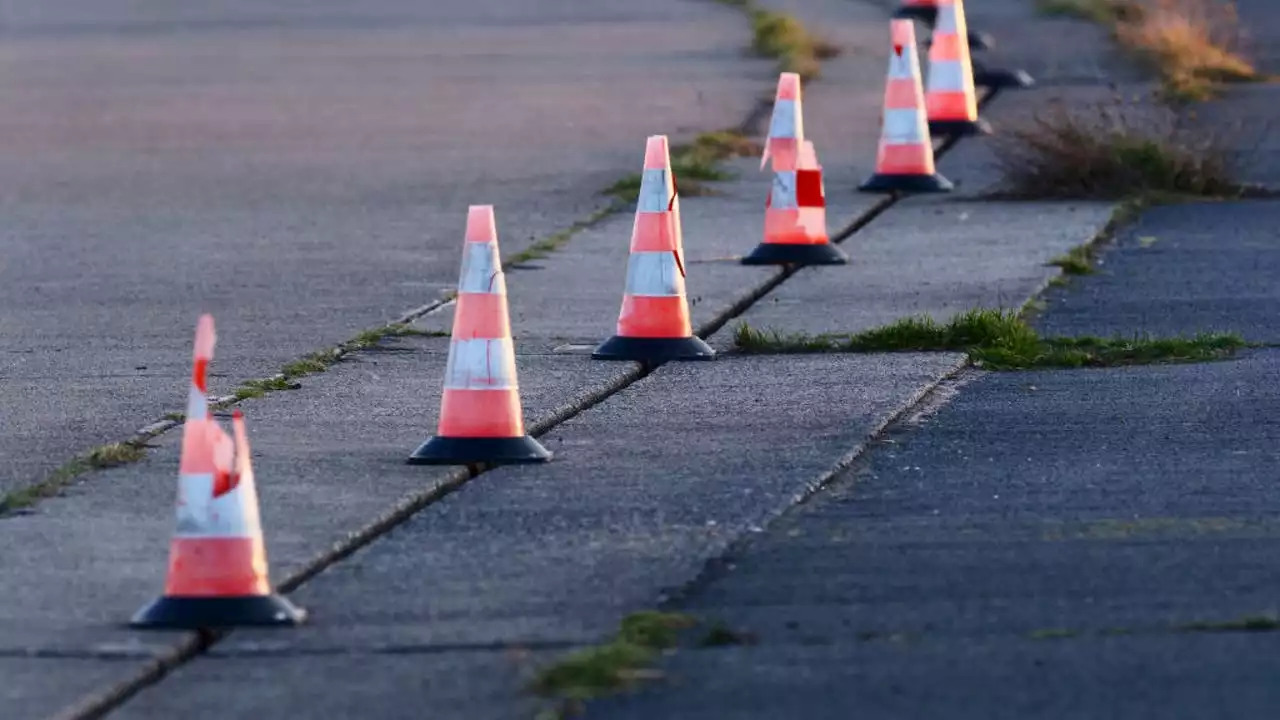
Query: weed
(998,340)
(551,243)
(782,36)
(115,454)
(1191,43)
(1113,150)
(1079,261)
(693,164)
(615,665)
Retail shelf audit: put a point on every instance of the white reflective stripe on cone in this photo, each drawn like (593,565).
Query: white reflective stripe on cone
(785,123)
(197,404)
(784,191)
(654,274)
(481,364)
(201,515)
(655,195)
(481,269)
(947,76)
(947,21)
(904,127)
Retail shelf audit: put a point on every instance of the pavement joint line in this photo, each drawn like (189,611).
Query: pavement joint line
(196,643)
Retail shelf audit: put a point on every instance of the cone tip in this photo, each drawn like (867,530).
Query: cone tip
(481,225)
(789,86)
(237,414)
(206,337)
(656,153)
(904,34)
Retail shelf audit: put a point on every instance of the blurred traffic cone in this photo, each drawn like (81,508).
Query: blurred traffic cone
(481,420)
(217,559)
(795,218)
(926,11)
(950,98)
(904,160)
(786,125)
(654,325)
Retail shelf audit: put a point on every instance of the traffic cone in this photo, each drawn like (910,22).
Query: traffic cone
(904,160)
(950,99)
(481,420)
(217,558)
(926,11)
(795,218)
(654,325)
(786,125)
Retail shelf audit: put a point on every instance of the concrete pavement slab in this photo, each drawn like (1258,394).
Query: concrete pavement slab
(475,684)
(931,256)
(645,488)
(329,460)
(1079,505)
(1181,269)
(37,687)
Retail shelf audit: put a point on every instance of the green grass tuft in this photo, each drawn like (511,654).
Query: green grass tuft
(998,340)
(782,36)
(694,164)
(619,664)
(1254,623)
(1079,261)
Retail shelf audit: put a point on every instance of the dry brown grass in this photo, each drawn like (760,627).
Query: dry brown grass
(1195,44)
(1112,150)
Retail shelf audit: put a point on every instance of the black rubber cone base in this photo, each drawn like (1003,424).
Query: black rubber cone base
(653,350)
(440,450)
(882,183)
(787,254)
(1001,79)
(193,613)
(924,13)
(959,128)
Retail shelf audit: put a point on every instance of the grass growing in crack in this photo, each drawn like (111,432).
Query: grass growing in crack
(694,164)
(1111,151)
(1194,45)
(999,340)
(782,36)
(551,243)
(1078,261)
(99,458)
(619,664)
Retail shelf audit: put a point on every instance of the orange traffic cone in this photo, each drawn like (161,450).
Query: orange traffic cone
(795,225)
(217,558)
(950,98)
(926,11)
(654,325)
(795,218)
(904,160)
(481,420)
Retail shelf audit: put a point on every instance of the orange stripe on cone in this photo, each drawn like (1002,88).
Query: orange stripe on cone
(481,419)
(904,158)
(654,323)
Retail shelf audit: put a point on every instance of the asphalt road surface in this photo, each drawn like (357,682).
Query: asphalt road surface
(300,169)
